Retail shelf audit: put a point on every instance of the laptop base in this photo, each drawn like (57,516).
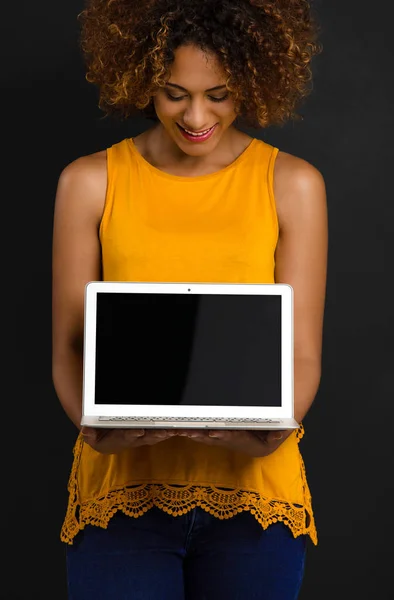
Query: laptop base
(189,423)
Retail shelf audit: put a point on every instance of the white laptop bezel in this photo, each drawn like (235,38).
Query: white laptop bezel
(89,409)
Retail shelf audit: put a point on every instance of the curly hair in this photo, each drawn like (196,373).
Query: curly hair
(265,48)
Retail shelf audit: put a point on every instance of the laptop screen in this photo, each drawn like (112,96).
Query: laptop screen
(180,349)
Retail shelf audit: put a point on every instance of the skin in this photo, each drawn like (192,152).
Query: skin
(301,253)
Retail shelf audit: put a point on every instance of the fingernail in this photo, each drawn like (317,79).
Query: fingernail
(217,436)
(278,436)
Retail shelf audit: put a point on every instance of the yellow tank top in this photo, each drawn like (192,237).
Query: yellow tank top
(220,227)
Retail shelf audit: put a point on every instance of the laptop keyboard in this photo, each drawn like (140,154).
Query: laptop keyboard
(189,419)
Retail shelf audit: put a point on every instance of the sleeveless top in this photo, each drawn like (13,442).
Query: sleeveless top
(158,227)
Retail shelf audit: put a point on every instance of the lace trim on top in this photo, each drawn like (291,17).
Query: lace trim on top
(177,500)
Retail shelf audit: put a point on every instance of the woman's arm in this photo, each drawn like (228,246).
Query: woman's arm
(79,205)
(76,260)
(300,261)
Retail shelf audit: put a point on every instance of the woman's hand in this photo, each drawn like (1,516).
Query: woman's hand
(113,441)
(253,443)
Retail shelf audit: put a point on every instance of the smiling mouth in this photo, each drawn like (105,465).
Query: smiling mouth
(197,134)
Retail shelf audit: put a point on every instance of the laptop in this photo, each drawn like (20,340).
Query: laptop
(188,355)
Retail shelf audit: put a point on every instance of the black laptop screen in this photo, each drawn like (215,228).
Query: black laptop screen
(211,350)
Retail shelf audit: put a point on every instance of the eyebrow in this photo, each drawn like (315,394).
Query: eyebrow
(214,89)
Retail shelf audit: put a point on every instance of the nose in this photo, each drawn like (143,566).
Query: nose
(195,116)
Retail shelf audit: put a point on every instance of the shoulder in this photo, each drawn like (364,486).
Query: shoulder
(88,170)
(82,184)
(299,189)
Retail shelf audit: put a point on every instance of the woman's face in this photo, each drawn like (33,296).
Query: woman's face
(195,99)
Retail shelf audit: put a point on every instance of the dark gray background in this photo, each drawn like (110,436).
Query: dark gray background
(50,117)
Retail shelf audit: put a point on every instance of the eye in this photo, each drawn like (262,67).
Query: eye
(212,98)
(174,98)
(222,99)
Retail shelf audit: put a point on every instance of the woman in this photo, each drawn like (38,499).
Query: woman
(190,514)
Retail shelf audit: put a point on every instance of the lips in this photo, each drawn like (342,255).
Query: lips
(196,133)
(197,137)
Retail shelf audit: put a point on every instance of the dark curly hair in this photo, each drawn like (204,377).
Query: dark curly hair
(264,46)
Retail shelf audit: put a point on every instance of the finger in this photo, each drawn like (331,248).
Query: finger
(118,439)
(119,436)
(133,433)
(219,437)
(240,440)
(102,433)
(89,433)
(87,430)
(262,436)
(227,436)
(275,436)
(157,435)
(191,433)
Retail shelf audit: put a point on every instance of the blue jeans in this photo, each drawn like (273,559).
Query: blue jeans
(192,557)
